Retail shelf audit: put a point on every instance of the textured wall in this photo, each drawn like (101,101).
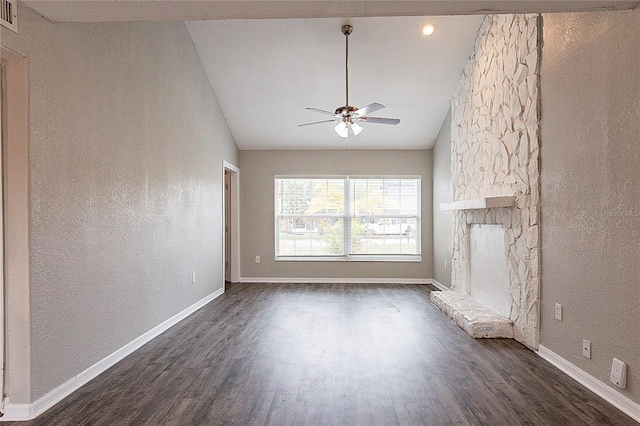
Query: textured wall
(442,220)
(258,169)
(591,190)
(126,149)
(495,151)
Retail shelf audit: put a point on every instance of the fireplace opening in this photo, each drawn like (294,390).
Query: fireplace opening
(488,270)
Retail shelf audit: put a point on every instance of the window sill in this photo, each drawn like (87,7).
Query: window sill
(361,258)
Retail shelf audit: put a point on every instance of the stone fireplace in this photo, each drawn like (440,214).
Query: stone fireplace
(495,179)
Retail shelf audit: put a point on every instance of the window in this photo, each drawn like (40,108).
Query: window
(347,218)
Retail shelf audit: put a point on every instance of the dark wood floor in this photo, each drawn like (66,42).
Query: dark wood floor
(329,355)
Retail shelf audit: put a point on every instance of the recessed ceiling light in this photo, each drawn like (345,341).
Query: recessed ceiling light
(427,29)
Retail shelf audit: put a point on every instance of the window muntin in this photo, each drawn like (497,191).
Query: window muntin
(350,218)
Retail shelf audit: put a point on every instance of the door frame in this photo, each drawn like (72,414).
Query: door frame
(15,217)
(3,96)
(234,223)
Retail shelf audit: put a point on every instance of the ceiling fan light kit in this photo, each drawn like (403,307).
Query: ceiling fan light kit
(342,129)
(356,128)
(348,116)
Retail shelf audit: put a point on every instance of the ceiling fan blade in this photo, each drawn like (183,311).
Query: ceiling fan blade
(380,120)
(321,111)
(361,112)
(318,122)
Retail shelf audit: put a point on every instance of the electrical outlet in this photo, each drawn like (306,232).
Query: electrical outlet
(619,373)
(257,259)
(558,312)
(193,277)
(445,265)
(586,348)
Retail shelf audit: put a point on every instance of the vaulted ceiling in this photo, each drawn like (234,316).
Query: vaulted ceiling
(265,72)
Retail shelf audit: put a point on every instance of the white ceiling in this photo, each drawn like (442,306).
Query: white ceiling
(266,69)
(265,72)
(187,10)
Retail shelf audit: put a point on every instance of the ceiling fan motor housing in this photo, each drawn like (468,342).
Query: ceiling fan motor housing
(346,110)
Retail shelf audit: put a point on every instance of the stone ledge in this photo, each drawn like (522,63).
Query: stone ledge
(480,203)
(480,321)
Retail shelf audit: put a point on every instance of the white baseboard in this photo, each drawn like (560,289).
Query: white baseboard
(315,280)
(19,412)
(440,286)
(618,400)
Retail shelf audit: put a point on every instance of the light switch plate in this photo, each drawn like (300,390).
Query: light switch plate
(558,312)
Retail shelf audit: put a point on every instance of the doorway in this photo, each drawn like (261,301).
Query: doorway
(227,217)
(230,225)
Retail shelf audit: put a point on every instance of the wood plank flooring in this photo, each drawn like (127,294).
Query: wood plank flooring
(286,354)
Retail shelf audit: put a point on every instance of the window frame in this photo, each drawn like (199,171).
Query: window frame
(347,217)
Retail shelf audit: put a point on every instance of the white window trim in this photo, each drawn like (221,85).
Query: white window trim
(415,258)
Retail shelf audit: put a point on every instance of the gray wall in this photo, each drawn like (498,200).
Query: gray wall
(258,169)
(126,147)
(591,190)
(442,220)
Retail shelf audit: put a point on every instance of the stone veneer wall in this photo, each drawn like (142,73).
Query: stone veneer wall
(495,151)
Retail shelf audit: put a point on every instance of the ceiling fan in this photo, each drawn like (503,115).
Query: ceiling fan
(349,116)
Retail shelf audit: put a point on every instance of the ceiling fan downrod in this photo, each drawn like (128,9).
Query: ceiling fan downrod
(346,30)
